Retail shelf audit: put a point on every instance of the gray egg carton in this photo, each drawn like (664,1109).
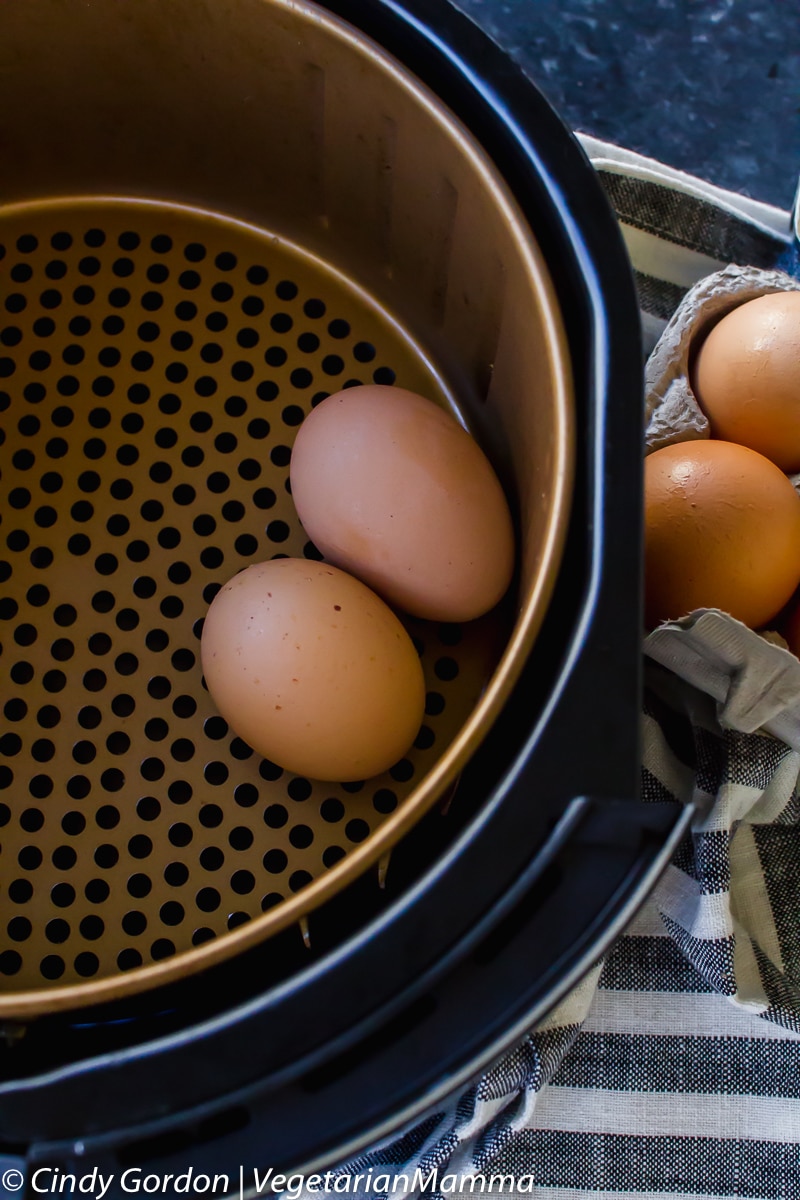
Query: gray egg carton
(753,677)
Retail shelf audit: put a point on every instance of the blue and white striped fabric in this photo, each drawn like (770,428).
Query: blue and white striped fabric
(674,1068)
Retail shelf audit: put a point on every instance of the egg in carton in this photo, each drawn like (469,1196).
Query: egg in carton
(672,412)
(751,676)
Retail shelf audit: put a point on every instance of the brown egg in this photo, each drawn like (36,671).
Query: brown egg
(391,488)
(722,530)
(313,670)
(747,377)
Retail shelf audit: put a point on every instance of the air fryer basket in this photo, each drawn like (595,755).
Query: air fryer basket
(299,1058)
(193,255)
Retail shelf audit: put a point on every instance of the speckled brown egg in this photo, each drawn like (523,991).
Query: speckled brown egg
(722,530)
(390,487)
(313,670)
(747,377)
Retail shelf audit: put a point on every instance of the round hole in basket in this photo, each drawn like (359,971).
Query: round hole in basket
(156,360)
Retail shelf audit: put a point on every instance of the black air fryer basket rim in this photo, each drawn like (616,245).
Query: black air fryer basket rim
(117,1092)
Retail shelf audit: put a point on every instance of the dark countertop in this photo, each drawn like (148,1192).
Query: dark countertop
(710,86)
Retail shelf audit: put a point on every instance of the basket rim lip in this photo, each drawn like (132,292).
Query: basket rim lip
(32,1003)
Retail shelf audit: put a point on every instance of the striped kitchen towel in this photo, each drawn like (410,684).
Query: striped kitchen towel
(678,229)
(674,1068)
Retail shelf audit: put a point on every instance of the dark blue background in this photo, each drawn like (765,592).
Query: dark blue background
(710,86)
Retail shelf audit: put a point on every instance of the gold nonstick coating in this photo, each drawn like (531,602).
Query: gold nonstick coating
(156,365)
(216,212)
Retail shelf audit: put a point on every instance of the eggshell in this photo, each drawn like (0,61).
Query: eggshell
(391,488)
(747,377)
(722,530)
(313,670)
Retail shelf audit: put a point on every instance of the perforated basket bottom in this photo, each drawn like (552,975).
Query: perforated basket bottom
(155,363)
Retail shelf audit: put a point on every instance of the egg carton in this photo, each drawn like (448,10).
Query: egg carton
(752,676)
(672,413)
